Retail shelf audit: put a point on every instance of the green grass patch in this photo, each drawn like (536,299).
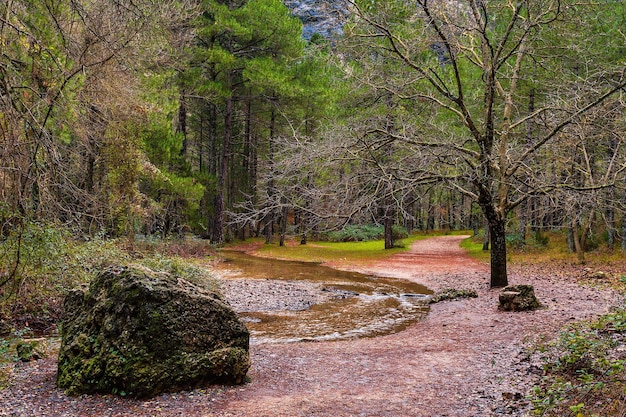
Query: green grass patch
(474,247)
(332,251)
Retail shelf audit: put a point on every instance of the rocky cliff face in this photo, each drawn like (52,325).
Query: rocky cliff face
(325,17)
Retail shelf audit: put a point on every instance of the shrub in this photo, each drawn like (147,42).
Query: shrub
(40,261)
(584,370)
(363,233)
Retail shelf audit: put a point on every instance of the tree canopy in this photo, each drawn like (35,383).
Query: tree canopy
(218,118)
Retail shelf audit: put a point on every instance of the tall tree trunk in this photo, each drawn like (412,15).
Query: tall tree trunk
(181,126)
(497,231)
(610,219)
(283,225)
(247,150)
(623,245)
(524,206)
(578,246)
(269,221)
(94,136)
(218,220)
(523,222)
(388,223)
(610,211)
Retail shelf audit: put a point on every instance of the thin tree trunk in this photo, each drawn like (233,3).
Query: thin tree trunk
(388,223)
(523,209)
(623,246)
(522,222)
(578,247)
(283,225)
(182,123)
(610,219)
(269,221)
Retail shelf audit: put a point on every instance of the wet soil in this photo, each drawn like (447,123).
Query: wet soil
(464,359)
(290,301)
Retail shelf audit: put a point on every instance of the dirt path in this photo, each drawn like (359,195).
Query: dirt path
(465,359)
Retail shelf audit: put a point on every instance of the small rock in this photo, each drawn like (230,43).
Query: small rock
(518,298)
(452,294)
(31,349)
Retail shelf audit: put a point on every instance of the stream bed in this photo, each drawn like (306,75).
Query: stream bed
(290,301)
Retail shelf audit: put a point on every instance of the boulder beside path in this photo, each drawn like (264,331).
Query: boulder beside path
(136,332)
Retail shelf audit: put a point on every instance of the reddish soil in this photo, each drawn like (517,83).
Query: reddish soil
(465,359)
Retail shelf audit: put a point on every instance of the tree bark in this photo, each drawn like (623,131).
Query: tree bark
(497,231)
(388,223)
(269,221)
(181,126)
(578,246)
(487,237)
(218,219)
(283,225)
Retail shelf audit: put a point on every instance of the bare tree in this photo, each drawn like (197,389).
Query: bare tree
(472,63)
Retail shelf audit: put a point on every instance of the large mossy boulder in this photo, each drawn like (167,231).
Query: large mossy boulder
(136,332)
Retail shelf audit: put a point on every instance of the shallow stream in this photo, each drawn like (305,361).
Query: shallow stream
(354,305)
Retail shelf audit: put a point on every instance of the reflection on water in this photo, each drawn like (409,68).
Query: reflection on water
(375,305)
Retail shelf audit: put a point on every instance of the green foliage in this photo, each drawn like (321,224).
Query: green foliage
(176,202)
(48,261)
(45,261)
(474,247)
(363,233)
(180,267)
(161,145)
(537,239)
(323,251)
(356,233)
(584,369)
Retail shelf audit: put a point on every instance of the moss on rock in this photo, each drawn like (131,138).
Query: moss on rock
(518,298)
(452,294)
(139,333)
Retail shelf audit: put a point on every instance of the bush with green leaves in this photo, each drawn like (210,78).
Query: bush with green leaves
(180,267)
(363,233)
(584,370)
(40,262)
